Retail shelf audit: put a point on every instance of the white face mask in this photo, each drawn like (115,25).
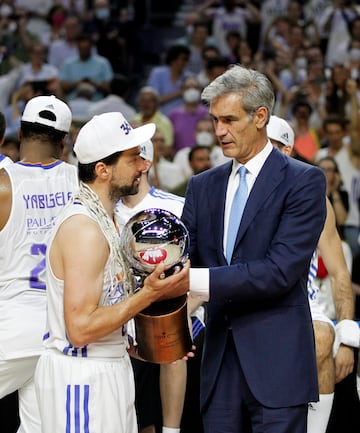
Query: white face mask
(204,138)
(191,95)
(102,13)
(301,62)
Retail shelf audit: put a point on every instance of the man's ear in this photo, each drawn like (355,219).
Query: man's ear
(260,117)
(102,170)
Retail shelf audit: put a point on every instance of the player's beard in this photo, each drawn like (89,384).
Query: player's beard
(118,191)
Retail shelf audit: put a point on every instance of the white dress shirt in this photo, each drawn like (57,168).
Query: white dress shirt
(199,277)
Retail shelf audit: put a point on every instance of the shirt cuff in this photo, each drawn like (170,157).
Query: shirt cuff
(199,283)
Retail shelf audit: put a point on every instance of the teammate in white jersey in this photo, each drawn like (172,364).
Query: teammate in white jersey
(32,192)
(84,380)
(334,350)
(4,160)
(172,376)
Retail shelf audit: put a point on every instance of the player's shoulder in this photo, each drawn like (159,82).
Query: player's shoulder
(163,195)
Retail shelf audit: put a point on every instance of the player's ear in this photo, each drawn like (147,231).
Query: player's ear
(102,170)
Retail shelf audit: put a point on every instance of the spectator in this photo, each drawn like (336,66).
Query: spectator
(213,65)
(307,141)
(197,40)
(185,116)
(168,79)
(233,16)
(337,99)
(15,38)
(199,161)
(149,112)
(113,34)
(204,136)
(116,100)
(86,67)
(334,24)
(66,46)
(347,157)
(37,69)
(82,103)
(338,197)
(19,98)
(163,174)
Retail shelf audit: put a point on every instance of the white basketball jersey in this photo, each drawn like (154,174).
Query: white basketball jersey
(4,161)
(112,345)
(39,192)
(155,198)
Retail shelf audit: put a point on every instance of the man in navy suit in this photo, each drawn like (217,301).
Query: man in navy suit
(258,367)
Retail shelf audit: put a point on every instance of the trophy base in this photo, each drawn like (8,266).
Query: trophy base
(162,331)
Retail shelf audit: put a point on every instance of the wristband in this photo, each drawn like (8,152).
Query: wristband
(347,333)
(170,430)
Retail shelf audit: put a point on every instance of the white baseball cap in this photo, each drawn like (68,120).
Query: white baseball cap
(147,151)
(48,111)
(278,129)
(107,134)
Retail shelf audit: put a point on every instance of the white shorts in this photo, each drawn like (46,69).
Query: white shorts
(17,374)
(83,395)
(317,313)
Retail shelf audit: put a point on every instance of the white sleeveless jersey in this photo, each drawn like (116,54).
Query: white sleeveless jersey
(39,192)
(155,198)
(111,346)
(4,161)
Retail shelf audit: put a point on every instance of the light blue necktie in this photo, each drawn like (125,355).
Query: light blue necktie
(236,212)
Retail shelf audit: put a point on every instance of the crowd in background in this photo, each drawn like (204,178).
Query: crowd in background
(94,55)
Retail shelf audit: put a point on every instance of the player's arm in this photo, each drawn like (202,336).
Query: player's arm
(346,330)
(80,252)
(5,198)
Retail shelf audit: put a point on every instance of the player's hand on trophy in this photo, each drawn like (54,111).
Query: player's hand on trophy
(166,287)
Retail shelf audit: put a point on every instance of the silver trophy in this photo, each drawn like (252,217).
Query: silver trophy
(148,238)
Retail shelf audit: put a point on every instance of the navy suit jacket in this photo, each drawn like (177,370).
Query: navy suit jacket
(262,296)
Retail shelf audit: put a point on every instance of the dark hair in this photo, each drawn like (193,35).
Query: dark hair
(299,104)
(176,51)
(331,159)
(2,125)
(84,37)
(194,149)
(338,120)
(216,62)
(86,172)
(41,132)
(119,85)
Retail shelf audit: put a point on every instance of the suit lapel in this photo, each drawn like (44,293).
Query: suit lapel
(217,188)
(271,174)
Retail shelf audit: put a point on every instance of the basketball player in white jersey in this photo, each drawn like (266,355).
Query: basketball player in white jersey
(84,380)
(334,345)
(172,376)
(32,192)
(4,160)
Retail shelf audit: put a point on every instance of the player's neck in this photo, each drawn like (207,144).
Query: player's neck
(43,153)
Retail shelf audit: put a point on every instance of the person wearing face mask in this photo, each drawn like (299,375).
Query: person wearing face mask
(204,137)
(114,35)
(185,117)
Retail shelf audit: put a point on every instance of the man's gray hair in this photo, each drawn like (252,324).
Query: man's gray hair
(254,88)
